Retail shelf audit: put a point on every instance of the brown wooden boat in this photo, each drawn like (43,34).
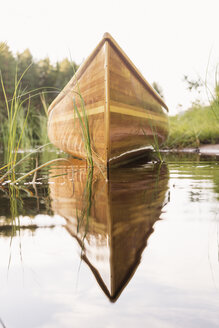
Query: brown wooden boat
(125,114)
(111,220)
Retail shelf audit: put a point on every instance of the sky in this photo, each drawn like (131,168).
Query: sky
(165,39)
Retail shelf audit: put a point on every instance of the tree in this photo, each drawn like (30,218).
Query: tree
(193,84)
(25,63)
(158,89)
(7,69)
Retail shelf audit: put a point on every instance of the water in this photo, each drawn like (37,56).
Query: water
(139,250)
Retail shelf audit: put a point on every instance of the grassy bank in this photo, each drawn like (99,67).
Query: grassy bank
(198,125)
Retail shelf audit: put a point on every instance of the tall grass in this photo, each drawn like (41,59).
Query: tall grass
(16,119)
(84,125)
(17,130)
(83,120)
(155,142)
(212,94)
(192,128)
(215,97)
(29,123)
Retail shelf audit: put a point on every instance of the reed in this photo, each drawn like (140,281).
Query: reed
(12,167)
(83,120)
(14,203)
(156,145)
(215,97)
(38,168)
(85,133)
(13,108)
(16,131)
(87,202)
(212,95)
(16,127)
(155,142)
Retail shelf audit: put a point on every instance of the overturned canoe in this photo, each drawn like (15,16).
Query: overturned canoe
(107,110)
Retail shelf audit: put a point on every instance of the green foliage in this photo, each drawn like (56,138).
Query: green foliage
(16,120)
(8,69)
(200,124)
(42,77)
(194,127)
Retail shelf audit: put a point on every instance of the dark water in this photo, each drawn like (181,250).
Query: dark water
(141,249)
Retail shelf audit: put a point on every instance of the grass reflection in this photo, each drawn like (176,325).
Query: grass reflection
(84,214)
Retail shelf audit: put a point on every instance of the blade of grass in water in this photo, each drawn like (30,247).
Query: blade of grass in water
(19,162)
(38,168)
(16,124)
(84,125)
(155,143)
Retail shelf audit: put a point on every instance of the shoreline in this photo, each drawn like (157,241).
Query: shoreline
(212,149)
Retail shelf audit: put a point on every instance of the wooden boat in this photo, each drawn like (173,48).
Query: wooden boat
(125,115)
(110,220)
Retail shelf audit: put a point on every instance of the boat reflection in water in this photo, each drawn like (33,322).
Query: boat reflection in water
(111,220)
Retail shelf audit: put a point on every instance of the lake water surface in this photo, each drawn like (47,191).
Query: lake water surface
(141,249)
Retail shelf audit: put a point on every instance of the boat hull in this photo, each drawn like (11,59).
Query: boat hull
(108,98)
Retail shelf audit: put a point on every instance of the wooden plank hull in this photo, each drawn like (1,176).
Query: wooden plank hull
(125,115)
(111,220)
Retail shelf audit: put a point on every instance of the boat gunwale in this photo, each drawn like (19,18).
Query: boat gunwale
(86,63)
(76,76)
(133,68)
